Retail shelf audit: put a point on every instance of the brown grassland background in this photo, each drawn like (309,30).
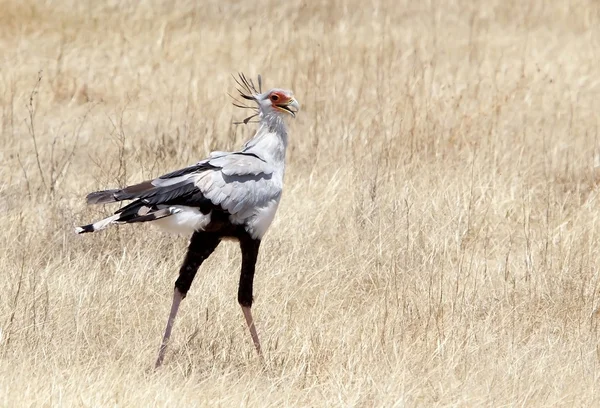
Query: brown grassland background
(438,239)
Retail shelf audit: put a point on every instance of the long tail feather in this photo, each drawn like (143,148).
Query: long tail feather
(97,226)
(137,213)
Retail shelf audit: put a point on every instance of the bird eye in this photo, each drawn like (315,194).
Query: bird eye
(274,98)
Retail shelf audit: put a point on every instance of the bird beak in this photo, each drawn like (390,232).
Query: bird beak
(292,106)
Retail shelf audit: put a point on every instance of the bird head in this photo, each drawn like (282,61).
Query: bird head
(278,100)
(275,101)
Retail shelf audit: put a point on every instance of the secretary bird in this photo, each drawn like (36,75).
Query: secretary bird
(229,195)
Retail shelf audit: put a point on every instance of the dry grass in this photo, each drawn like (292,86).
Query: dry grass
(437,242)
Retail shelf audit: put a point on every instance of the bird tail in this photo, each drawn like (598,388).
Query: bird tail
(99,225)
(135,212)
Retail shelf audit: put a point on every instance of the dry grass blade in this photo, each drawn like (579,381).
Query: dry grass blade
(436,244)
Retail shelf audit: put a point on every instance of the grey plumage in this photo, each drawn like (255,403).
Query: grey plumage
(246,184)
(228,195)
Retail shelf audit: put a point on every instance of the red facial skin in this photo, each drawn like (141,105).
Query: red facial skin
(278,98)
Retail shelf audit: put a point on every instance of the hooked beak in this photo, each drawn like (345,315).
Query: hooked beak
(292,106)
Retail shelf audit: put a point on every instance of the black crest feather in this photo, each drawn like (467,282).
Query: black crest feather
(247,91)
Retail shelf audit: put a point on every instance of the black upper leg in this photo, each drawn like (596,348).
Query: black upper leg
(202,244)
(249,247)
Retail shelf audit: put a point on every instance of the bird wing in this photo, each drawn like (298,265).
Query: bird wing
(242,183)
(236,182)
(241,164)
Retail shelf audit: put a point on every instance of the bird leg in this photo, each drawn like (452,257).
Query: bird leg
(248,315)
(177,298)
(249,247)
(202,244)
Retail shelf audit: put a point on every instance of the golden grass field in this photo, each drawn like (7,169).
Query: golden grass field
(438,239)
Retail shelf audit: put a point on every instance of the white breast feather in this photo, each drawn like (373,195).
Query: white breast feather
(259,224)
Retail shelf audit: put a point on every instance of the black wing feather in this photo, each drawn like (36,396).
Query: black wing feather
(187,170)
(178,194)
(146,188)
(160,195)
(152,202)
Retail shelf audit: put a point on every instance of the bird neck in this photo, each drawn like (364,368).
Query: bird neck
(270,141)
